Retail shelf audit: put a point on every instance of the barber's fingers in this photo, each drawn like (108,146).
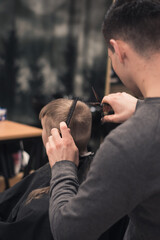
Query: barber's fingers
(59,139)
(55,135)
(106,99)
(54,142)
(112,98)
(65,131)
(50,146)
(110,118)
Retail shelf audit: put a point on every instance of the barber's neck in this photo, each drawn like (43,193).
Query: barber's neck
(147,76)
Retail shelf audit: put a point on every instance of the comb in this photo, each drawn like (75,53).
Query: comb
(71,111)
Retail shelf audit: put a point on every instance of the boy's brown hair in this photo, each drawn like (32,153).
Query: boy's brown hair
(57,111)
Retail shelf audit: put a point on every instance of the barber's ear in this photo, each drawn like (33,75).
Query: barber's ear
(118,49)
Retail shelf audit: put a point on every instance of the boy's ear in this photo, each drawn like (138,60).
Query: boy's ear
(118,49)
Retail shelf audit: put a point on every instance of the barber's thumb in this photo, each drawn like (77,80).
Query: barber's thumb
(109,118)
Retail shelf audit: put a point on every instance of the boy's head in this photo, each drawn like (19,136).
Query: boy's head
(57,111)
(136,22)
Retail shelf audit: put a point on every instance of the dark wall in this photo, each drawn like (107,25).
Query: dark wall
(49,48)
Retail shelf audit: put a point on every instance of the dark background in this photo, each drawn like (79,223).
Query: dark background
(48,49)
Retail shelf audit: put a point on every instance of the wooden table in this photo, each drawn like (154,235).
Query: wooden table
(11,130)
(14,131)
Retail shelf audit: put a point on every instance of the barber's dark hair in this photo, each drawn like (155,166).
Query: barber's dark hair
(136,22)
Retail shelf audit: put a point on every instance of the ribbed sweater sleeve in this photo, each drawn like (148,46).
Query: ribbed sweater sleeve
(115,185)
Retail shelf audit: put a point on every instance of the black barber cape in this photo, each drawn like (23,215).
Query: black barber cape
(21,221)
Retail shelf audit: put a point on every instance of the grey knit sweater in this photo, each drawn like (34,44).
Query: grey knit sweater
(124,178)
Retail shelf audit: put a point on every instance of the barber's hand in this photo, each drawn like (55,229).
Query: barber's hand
(123,105)
(61,147)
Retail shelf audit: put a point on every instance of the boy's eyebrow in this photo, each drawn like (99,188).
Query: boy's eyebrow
(71,111)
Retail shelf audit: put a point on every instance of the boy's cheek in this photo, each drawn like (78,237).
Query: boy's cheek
(44,138)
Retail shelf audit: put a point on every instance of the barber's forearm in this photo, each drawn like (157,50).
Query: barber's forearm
(69,218)
(105,196)
(78,216)
(64,185)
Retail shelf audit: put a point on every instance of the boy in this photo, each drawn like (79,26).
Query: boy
(24,207)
